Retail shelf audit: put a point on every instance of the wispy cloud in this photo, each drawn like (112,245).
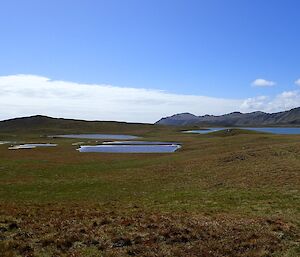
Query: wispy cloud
(263,83)
(297,82)
(23,95)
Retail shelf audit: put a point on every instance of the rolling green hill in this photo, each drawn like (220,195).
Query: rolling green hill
(44,124)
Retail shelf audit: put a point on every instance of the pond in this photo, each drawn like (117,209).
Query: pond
(96,136)
(203,131)
(30,146)
(139,143)
(274,130)
(129,148)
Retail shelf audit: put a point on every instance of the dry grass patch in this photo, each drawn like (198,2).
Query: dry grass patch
(81,230)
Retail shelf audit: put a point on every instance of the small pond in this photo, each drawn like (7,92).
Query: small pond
(274,130)
(105,148)
(96,136)
(203,131)
(30,146)
(139,143)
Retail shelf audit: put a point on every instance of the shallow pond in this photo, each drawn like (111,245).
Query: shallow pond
(96,136)
(277,130)
(139,143)
(129,148)
(30,146)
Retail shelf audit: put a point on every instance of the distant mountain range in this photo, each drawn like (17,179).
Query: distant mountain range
(46,124)
(236,119)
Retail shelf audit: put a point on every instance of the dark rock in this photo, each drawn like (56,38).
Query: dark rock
(121,242)
(13,226)
(3,229)
(105,222)
(83,231)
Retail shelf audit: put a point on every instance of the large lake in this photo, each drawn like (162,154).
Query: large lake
(97,136)
(277,130)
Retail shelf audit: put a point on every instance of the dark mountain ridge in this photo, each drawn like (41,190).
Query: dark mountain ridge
(236,119)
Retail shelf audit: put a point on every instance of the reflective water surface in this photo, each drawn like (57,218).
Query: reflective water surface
(139,143)
(30,146)
(275,130)
(129,148)
(96,136)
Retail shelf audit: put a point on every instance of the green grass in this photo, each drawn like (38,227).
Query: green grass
(243,174)
(208,169)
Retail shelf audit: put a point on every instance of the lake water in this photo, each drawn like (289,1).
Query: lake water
(139,143)
(129,148)
(30,146)
(97,136)
(203,131)
(277,130)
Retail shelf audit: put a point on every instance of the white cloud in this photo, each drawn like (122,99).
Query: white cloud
(284,101)
(297,82)
(263,83)
(255,103)
(24,95)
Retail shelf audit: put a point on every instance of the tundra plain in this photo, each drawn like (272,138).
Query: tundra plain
(228,193)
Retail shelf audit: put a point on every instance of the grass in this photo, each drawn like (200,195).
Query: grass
(224,194)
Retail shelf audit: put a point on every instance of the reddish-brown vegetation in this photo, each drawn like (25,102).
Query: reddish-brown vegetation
(85,230)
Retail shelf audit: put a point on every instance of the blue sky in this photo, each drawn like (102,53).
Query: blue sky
(212,48)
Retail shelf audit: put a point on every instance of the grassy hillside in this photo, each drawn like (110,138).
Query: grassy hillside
(219,195)
(43,124)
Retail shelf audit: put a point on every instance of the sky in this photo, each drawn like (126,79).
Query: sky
(140,60)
